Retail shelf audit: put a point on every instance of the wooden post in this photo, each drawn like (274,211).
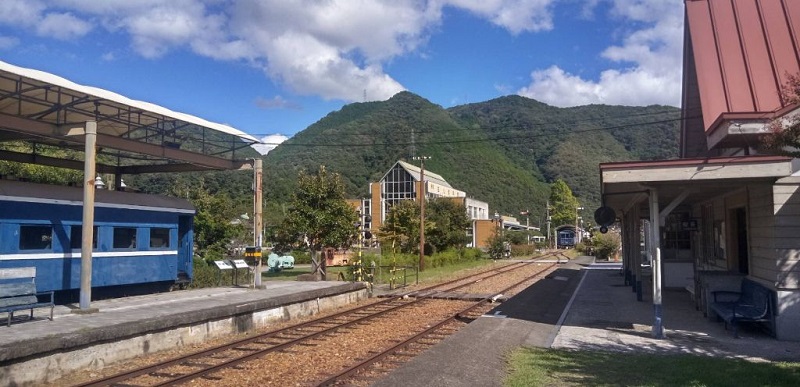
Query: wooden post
(422,211)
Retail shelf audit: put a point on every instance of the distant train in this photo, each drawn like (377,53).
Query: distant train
(566,237)
(142,243)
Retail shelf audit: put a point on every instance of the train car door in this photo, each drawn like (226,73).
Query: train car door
(185,243)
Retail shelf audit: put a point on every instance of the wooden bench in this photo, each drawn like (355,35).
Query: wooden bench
(18,292)
(752,304)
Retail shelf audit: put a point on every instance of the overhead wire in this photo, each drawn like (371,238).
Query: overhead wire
(488,139)
(518,126)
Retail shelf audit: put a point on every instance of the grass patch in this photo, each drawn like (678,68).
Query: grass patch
(549,367)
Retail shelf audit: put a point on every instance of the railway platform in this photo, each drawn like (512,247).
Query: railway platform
(39,350)
(582,305)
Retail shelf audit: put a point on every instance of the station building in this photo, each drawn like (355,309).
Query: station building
(404,181)
(724,210)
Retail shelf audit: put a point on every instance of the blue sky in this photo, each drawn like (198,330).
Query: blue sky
(271,68)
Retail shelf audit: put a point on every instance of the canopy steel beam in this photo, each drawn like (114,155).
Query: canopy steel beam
(74,134)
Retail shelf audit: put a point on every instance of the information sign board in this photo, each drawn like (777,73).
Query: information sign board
(223,265)
(240,264)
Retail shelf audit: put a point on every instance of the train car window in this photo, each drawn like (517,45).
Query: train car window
(124,238)
(159,238)
(35,237)
(76,234)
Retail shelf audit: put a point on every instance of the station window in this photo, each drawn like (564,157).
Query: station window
(124,238)
(35,237)
(159,238)
(676,236)
(76,234)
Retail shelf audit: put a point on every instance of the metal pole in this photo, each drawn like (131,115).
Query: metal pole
(655,247)
(258,224)
(547,212)
(422,214)
(87,228)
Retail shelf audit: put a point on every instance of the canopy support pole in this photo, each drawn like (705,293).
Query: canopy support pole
(87,227)
(655,248)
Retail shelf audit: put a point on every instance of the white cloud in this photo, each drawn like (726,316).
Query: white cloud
(33,14)
(7,42)
(335,49)
(514,15)
(108,57)
(62,26)
(269,143)
(652,54)
(21,12)
(277,102)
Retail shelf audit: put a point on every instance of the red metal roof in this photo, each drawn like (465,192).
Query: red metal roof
(743,51)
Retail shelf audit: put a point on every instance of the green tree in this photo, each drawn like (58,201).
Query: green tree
(214,228)
(563,205)
(449,224)
(400,230)
(318,215)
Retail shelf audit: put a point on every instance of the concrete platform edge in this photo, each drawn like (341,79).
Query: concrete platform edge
(44,345)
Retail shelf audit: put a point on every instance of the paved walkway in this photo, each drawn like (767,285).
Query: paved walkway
(583,306)
(606,316)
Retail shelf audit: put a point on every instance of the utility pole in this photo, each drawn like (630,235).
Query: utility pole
(422,189)
(576,238)
(547,212)
(527,214)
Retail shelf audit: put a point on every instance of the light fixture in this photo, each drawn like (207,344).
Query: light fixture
(98,183)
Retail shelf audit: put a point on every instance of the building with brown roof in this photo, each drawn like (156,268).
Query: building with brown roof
(723,211)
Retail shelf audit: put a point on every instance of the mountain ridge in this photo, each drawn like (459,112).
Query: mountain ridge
(505,151)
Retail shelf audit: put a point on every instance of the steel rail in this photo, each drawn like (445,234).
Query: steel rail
(273,334)
(260,353)
(388,352)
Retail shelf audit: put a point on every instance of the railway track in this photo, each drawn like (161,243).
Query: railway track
(298,338)
(426,338)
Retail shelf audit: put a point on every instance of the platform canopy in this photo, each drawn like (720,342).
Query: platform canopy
(133,137)
(625,184)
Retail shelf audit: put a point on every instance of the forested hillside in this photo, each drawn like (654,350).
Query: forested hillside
(505,151)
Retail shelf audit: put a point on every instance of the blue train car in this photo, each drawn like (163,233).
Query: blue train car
(142,243)
(566,238)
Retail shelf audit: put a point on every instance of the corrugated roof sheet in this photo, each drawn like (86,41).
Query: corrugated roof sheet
(94,93)
(743,51)
(429,176)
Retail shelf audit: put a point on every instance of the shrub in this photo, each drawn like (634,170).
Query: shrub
(605,245)
(522,250)
(206,274)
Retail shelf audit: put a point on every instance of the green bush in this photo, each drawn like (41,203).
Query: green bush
(205,275)
(523,250)
(605,245)
(301,257)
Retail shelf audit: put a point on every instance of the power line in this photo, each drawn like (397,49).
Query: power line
(516,126)
(490,139)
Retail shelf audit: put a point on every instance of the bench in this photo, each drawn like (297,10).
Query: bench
(752,304)
(18,292)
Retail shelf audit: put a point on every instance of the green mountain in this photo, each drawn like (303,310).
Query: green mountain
(505,151)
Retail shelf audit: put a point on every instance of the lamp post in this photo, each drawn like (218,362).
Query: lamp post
(422,210)
(527,215)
